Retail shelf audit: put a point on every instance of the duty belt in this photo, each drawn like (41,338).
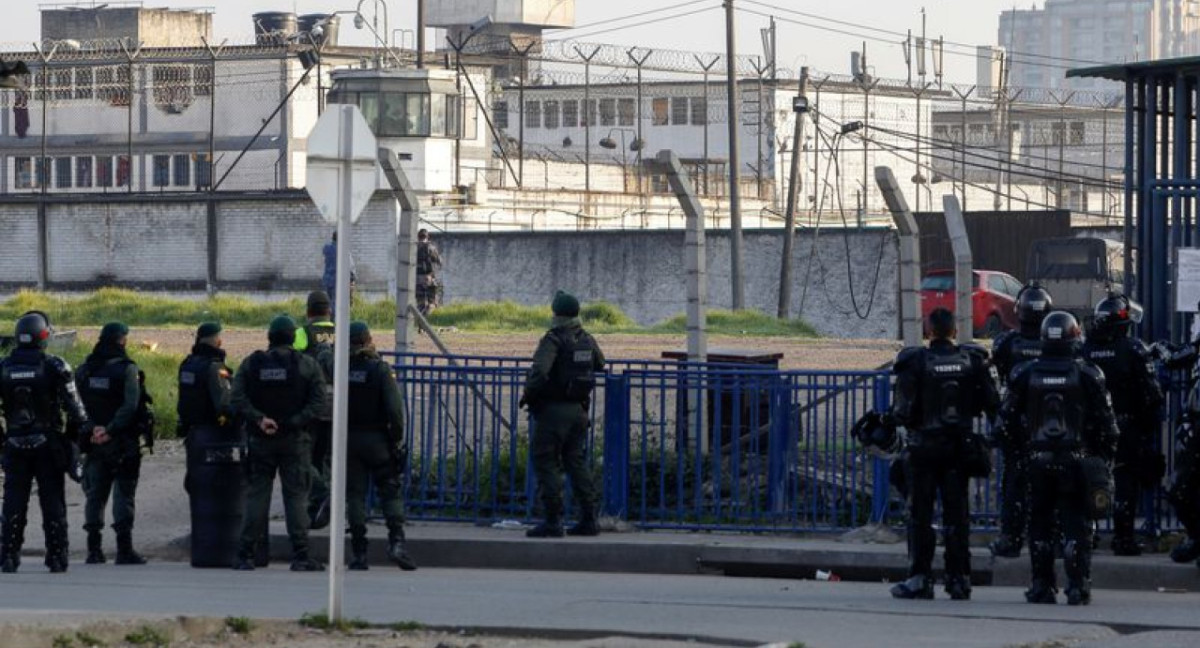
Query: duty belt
(27,441)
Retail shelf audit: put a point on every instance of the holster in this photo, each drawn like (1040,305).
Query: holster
(1098,486)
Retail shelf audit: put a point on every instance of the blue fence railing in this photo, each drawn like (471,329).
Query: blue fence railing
(673,445)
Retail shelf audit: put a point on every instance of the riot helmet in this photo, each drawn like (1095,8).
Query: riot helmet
(877,433)
(33,331)
(1060,334)
(1114,315)
(1032,306)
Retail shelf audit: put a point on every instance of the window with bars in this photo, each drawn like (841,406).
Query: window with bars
(83,171)
(533,114)
(551,114)
(83,83)
(172,86)
(104,171)
(660,112)
(182,170)
(64,173)
(203,171)
(699,111)
(500,114)
(161,170)
(63,84)
(124,171)
(570,113)
(589,113)
(202,79)
(23,172)
(43,171)
(679,111)
(626,112)
(608,112)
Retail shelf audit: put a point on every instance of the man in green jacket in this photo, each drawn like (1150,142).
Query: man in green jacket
(558,392)
(313,339)
(375,447)
(279,393)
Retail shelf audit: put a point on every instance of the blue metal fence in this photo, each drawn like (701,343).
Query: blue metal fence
(673,445)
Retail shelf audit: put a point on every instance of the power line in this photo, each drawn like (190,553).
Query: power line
(635,15)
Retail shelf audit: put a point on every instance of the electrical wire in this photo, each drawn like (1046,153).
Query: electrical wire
(640,14)
(644,23)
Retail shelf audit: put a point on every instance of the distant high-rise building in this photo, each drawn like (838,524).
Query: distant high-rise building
(1078,33)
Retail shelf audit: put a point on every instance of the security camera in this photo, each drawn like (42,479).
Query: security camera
(480,25)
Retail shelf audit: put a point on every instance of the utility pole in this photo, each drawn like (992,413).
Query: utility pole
(737,268)
(800,107)
(421,35)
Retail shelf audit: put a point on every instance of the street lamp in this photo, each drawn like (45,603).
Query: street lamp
(610,143)
(474,30)
(360,22)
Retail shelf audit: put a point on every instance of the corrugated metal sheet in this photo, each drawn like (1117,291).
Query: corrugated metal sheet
(999,240)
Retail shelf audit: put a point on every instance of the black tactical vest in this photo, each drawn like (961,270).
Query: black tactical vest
(947,391)
(1113,358)
(321,337)
(1055,403)
(366,393)
(274,384)
(573,375)
(102,388)
(1020,349)
(29,396)
(424,262)
(195,403)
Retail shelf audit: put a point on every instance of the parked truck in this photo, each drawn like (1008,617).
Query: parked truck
(1078,272)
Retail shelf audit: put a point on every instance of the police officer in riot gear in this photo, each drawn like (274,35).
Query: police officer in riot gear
(558,392)
(314,338)
(1009,350)
(375,447)
(36,389)
(1061,402)
(278,393)
(110,386)
(1136,398)
(939,392)
(1184,492)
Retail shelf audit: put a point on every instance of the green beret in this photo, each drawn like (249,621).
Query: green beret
(565,305)
(113,331)
(359,331)
(282,324)
(207,330)
(318,301)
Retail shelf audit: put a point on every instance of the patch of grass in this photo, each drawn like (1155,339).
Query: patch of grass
(510,317)
(239,625)
(88,640)
(321,621)
(746,322)
(162,371)
(147,636)
(406,626)
(63,641)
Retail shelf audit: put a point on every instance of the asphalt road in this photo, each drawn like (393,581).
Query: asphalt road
(736,611)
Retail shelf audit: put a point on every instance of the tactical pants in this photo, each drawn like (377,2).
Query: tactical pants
(1058,505)
(370,459)
(287,455)
(1185,485)
(427,293)
(1127,477)
(21,469)
(1014,494)
(322,451)
(560,442)
(112,469)
(933,471)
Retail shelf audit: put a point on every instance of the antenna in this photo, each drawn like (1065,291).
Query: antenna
(907,45)
(939,59)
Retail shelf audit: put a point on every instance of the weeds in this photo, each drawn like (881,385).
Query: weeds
(63,641)
(321,621)
(407,626)
(147,636)
(239,625)
(88,640)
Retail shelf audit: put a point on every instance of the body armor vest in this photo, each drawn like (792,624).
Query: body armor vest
(29,396)
(195,403)
(366,396)
(275,387)
(1020,350)
(102,387)
(1055,406)
(424,263)
(573,375)
(1113,358)
(321,337)
(947,391)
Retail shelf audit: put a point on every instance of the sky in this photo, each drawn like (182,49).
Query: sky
(963,21)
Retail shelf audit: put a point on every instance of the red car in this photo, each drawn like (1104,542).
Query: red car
(993,297)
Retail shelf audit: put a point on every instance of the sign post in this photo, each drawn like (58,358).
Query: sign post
(341,181)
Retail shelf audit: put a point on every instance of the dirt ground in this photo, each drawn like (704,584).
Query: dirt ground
(820,354)
(215,633)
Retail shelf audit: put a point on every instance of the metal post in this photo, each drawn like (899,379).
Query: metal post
(793,196)
(707,120)
(963,261)
(587,115)
(640,141)
(910,256)
(458,72)
(420,34)
(406,248)
(523,53)
(866,140)
(962,174)
(737,268)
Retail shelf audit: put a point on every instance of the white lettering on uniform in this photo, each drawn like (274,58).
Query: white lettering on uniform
(1054,381)
(358,376)
(945,369)
(272,375)
(23,375)
(187,378)
(98,383)
(583,356)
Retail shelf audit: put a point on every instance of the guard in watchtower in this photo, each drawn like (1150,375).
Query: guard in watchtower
(1062,403)
(1009,350)
(1137,400)
(939,392)
(36,388)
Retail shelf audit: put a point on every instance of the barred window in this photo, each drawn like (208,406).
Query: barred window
(500,112)
(661,112)
(24,172)
(679,111)
(202,78)
(63,84)
(172,85)
(533,114)
(699,111)
(83,83)
(570,113)
(608,112)
(162,170)
(626,111)
(63,173)
(104,171)
(83,171)
(124,171)
(203,171)
(182,175)
(589,113)
(552,113)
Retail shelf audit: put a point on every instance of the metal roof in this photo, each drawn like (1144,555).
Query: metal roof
(1139,70)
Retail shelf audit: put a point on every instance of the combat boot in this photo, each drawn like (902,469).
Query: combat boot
(958,588)
(1186,551)
(125,553)
(587,526)
(9,563)
(243,563)
(917,587)
(57,564)
(1042,592)
(95,551)
(398,552)
(1126,546)
(1079,594)
(1006,546)
(358,554)
(302,563)
(551,527)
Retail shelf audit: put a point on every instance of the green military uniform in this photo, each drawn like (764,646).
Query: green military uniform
(204,407)
(314,338)
(558,393)
(109,386)
(287,387)
(375,447)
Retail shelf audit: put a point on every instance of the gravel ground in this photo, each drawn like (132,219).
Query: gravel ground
(819,354)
